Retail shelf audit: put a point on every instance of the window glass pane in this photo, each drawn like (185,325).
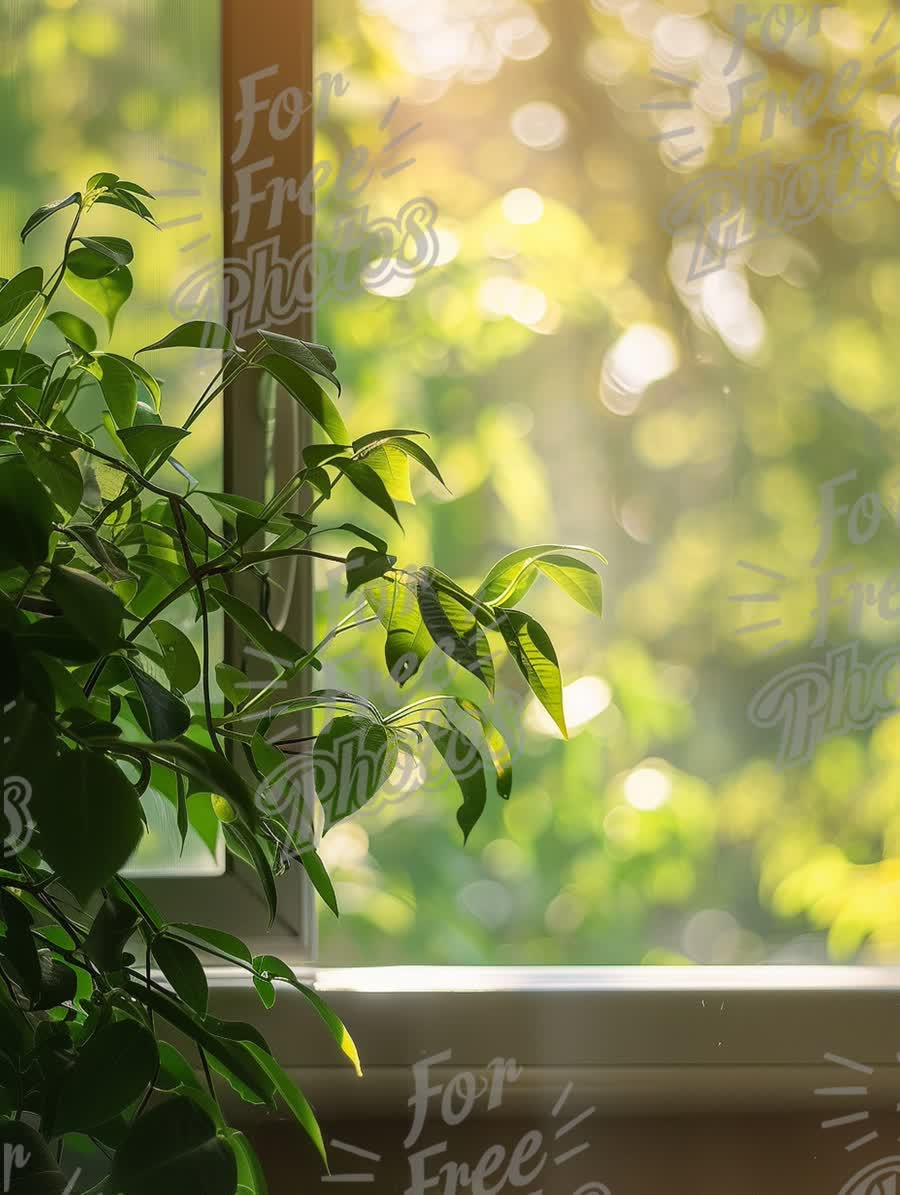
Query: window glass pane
(721,426)
(131,87)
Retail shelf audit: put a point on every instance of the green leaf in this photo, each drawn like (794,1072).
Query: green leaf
(167,715)
(26,516)
(370,485)
(392,466)
(119,388)
(75,329)
(121,196)
(110,558)
(250,1177)
(496,744)
(529,645)
(512,576)
(576,578)
(407,642)
(115,1067)
(197,334)
(180,659)
(260,863)
(17,945)
(147,380)
(302,387)
(275,968)
(173,1148)
(113,250)
(453,627)
(185,973)
(90,606)
(364,565)
(49,209)
(314,359)
(112,927)
(53,465)
(38,1173)
(279,646)
(292,1096)
(233,683)
(352,758)
(18,292)
(464,760)
(217,938)
(59,983)
(103,178)
(212,772)
(149,442)
(318,875)
(106,295)
(85,791)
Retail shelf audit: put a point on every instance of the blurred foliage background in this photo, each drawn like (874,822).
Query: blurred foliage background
(579,387)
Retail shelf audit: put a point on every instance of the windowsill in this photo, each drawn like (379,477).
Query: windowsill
(634,1040)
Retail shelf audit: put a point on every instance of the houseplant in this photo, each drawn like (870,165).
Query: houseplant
(104,537)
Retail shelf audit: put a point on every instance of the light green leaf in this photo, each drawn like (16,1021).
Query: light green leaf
(496,744)
(106,295)
(576,578)
(529,645)
(302,387)
(292,1096)
(407,642)
(511,577)
(392,466)
(74,328)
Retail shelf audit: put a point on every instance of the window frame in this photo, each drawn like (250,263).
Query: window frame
(249,44)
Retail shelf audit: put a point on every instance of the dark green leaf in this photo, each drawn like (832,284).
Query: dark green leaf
(17,944)
(364,565)
(85,791)
(148,442)
(279,646)
(113,1068)
(119,388)
(106,295)
(90,606)
(212,773)
(26,516)
(56,469)
(180,659)
(250,1177)
(184,971)
(292,1096)
(147,380)
(113,249)
(106,554)
(226,943)
(275,968)
(464,760)
(29,1165)
(453,626)
(167,715)
(44,213)
(174,1148)
(260,862)
(111,928)
(314,359)
(197,334)
(59,983)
